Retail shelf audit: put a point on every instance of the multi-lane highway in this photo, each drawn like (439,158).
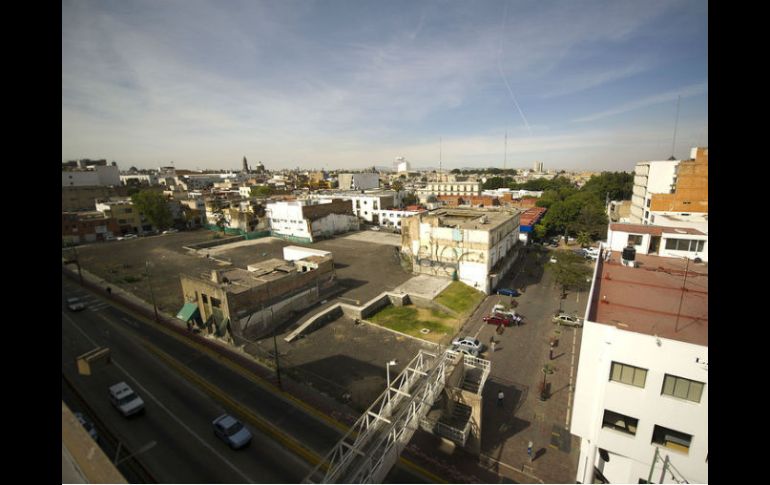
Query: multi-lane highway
(184,388)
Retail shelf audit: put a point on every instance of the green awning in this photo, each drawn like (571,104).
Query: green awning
(188,311)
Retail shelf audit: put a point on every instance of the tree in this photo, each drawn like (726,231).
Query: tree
(584,239)
(154,207)
(409,199)
(494,183)
(397,185)
(262,191)
(456,170)
(570,271)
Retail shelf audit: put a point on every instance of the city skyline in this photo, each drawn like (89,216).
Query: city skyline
(350,85)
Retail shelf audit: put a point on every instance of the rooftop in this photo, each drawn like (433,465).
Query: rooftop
(654,230)
(657,298)
(471,219)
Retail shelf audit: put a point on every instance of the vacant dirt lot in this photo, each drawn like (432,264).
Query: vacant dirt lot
(364,269)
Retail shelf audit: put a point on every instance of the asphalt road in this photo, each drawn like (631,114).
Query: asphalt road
(179,411)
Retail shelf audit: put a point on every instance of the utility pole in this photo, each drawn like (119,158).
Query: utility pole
(152,292)
(77,261)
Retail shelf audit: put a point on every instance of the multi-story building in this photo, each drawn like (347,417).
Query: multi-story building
(124,213)
(641,393)
(478,247)
(691,189)
(96,174)
(449,188)
(391,218)
(366,204)
(358,181)
(83,227)
(139,179)
(670,187)
(308,220)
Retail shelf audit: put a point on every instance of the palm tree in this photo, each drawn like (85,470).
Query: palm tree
(584,239)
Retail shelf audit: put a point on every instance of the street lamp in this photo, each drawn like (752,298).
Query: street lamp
(387,369)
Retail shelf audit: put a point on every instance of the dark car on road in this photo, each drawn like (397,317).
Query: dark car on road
(498,320)
(508,292)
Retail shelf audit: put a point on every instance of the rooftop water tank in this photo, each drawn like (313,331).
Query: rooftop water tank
(629,256)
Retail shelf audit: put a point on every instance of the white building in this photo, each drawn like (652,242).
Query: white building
(479,246)
(449,188)
(142,178)
(104,175)
(391,218)
(641,392)
(402,165)
(358,181)
(367,204)
(537,167)
(673,242)
(651,178)
(307,221)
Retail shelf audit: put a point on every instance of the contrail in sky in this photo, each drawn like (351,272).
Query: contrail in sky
(502,74)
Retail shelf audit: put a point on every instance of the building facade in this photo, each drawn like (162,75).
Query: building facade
(477,247)
(671,242)
(449,188)
(641,391)
(245,304)
(308,221)
(358,181)
(103,175)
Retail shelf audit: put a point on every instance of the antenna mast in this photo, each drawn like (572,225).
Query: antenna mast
(673,144)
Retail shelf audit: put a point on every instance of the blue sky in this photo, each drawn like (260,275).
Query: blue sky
(578,85)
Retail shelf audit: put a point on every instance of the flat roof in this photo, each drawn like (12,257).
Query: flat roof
(654,299)
(655,230)
(471,219)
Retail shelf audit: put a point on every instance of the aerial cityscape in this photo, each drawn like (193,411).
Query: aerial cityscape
(384,242)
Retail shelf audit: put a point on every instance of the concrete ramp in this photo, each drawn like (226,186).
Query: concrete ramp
(424,286)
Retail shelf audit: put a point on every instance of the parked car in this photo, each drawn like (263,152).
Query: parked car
(498,320)
(127,236)
(567,319)
(125,399)
(75,305)
(231,431)
(170,231)
(508,292)
(503,311)
(553,260)
(375,228)
(463,350)
(88,425)
(470,343)
(591,253)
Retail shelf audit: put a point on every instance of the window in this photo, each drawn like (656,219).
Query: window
(216,302)
(648,202)
(204,298)
(682,388)
(634,240)
(689,245)
(619,422)
(628,374)
(671,439)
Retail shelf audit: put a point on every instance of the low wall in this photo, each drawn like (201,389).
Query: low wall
(214,242)
(264,322)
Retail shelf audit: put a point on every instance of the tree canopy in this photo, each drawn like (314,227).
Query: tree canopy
(153,206)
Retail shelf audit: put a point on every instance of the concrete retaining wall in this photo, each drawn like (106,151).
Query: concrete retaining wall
(215,242)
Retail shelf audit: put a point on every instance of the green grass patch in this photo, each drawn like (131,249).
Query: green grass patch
(410,320)
(460,297)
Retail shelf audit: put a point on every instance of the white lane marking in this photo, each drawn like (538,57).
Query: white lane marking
(148,393)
